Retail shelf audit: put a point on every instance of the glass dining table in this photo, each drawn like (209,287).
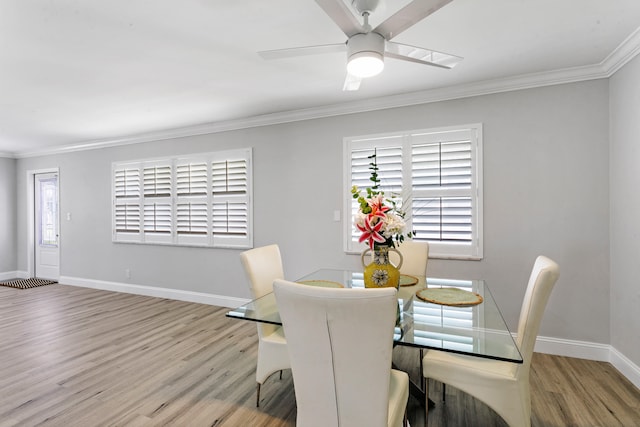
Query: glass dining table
(476,330)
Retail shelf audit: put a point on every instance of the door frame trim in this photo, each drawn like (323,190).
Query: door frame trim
(31,217)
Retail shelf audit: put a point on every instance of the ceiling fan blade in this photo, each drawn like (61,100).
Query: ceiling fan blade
(406,52)
(412,13)
(302,51)
(342,16)
(351,83)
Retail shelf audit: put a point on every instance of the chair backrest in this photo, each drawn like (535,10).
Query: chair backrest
(340,343)
(415,256)
(543,277)
(262,265)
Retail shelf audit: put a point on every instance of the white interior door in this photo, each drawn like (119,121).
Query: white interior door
(47,226)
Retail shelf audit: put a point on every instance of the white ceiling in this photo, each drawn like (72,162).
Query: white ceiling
(88,72)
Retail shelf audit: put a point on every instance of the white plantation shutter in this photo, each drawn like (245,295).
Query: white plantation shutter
(389,161)
(192,179)
(230,219)
(201,200)
(127,183)
(126,217)
(229,177)
(442,172)
(445,219)
(157,218)
(437,174)
(192,218)
(230,207)
(388,153)
(440,165)
(192,213)
(157,181)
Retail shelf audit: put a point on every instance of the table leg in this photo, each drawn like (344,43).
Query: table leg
(418,393)
(416,390)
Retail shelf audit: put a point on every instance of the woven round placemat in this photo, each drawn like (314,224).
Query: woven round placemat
(322,283)
(449,296)
(407,280)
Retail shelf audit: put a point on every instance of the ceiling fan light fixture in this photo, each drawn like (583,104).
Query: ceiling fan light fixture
(365,55)
(365,64)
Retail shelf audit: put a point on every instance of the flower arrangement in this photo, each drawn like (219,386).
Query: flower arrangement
(380,219)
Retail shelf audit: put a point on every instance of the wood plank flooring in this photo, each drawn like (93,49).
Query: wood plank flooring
(72,356)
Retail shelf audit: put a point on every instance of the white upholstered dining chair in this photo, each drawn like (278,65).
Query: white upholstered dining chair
(503,386)
(264,265)
(415,256)
(340,343)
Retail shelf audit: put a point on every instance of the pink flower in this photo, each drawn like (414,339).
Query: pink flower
(377,206)
(371,231)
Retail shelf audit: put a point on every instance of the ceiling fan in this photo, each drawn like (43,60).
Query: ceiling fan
(366,47)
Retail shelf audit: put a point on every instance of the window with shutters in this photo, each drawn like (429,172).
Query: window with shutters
(192,201)
(157,210)
(436,174)
(196,200)
(229,185)
(126,215)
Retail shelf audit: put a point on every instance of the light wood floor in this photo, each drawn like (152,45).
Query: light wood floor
(71,356)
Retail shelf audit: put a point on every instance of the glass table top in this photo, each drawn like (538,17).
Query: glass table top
(478,330)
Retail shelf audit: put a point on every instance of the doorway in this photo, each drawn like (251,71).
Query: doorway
(45,230)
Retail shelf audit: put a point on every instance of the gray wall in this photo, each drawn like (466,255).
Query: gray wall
(7,215)
(625,211)
(545,184)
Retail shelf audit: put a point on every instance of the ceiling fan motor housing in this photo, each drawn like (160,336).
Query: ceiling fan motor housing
(368,46)
(365,6)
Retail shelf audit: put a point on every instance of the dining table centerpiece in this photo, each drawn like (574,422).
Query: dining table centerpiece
(380,220)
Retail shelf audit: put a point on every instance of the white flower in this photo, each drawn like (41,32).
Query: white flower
(393,225)
(358,219)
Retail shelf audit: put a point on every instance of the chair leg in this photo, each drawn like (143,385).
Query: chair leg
(258,396)
(444,394)
(405,420)
(280,373)
(421,373)
(426,402)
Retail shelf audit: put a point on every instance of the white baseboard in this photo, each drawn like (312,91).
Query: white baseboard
(573,348)
(7,275)
(590,351)
(152,291)
(626,367)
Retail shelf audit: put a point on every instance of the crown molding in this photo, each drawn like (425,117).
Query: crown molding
(7,155)
(625,52)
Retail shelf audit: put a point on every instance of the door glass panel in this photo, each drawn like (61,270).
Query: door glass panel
(48,230)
